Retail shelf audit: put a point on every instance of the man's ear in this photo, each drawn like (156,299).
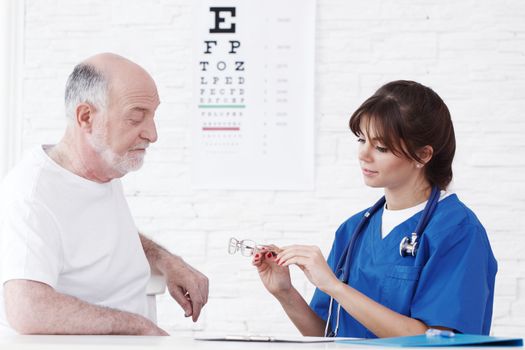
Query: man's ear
(425,154)
(84,116)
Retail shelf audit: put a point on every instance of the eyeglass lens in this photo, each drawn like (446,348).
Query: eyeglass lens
(233,246)
(248,247)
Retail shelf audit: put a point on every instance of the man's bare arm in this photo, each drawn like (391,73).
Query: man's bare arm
(186,285)
(36,308)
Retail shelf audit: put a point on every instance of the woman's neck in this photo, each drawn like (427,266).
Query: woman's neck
(408,196)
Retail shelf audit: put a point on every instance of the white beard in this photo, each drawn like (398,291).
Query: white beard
(121,164)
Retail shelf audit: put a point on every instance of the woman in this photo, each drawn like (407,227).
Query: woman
(445,280)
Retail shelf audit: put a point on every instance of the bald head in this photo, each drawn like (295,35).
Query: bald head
(93,79)
(117,69)
(107,61)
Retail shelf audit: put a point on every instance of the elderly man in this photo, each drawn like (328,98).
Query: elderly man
(73,261)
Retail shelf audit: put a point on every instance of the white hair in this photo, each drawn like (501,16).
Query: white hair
(85,85)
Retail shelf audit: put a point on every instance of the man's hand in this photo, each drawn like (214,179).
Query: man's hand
(187,286)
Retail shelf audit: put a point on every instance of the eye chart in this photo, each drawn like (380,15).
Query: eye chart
(253,125)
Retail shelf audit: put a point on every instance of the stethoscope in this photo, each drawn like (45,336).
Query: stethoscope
(407,247)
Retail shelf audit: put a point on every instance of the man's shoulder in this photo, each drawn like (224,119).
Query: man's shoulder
(34,179)
(24,176)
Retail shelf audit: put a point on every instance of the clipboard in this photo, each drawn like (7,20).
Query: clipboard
(426,341)
(273,339)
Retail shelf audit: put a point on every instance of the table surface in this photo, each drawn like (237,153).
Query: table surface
(172,342)
(139,342)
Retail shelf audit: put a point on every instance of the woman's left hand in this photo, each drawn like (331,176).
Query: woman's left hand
(312,262)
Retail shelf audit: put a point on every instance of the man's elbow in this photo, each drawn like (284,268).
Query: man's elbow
(22,320)
(24,305)
(23,326)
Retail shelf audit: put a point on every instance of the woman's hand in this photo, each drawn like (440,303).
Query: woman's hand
(312,262)
(275,278)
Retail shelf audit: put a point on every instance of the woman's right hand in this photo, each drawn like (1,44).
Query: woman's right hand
(275,278)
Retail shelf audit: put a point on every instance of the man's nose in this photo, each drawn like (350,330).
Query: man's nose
(150,131)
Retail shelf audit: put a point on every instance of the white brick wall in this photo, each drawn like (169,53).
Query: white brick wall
(471,52)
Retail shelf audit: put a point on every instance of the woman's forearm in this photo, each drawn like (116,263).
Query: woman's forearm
(302,316)
(379,319)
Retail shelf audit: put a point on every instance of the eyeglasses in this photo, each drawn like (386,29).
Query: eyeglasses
(246,246)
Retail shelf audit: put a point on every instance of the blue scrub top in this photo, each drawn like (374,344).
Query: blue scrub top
(449,283)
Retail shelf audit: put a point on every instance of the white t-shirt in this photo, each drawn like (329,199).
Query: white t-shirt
(392,218)
(72,234)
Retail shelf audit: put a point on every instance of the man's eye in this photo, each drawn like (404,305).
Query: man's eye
(381,149)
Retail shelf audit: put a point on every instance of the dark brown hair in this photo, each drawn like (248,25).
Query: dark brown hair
(408,116)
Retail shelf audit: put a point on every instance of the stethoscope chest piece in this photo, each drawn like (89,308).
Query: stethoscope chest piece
(408,246)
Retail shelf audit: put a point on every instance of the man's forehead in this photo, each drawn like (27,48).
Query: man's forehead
(144,108)
(136,91)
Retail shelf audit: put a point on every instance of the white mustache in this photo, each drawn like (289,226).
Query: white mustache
(141,146)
